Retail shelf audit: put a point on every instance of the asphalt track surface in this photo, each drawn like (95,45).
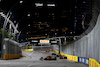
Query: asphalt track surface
(31,59)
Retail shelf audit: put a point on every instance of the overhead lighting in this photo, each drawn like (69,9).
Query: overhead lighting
(28,15)
(10,12)
(52,5)
(84,2)
(29,25)
(14,21)
(21,2)
(52,13)
(38,4)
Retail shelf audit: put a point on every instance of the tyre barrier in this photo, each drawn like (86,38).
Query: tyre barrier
(87,61)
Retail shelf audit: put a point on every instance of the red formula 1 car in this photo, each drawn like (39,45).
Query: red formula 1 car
(53,57)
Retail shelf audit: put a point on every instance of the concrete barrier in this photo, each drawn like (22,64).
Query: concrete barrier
(87,61)
(11,49)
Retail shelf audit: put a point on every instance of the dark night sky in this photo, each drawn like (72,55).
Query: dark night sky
(44,19)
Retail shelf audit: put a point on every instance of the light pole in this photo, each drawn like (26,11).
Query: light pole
(18,36)
(21,32)
(59,42)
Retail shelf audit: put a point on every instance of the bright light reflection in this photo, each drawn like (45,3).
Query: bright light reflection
(28,15)
(38,4)
(21,2)
(29,25)
(52,5)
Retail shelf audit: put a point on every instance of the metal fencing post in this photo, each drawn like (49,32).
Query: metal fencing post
(18,36)
(59,46)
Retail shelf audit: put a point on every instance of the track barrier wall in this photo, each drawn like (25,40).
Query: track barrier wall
(93,63)
(36,48)
(70,57)
(87,61)
(83,60)
(10,56)
(11,49)
(27,49)
(41,48)
(87,46)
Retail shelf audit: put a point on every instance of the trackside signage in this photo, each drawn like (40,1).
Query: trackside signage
(44,41)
